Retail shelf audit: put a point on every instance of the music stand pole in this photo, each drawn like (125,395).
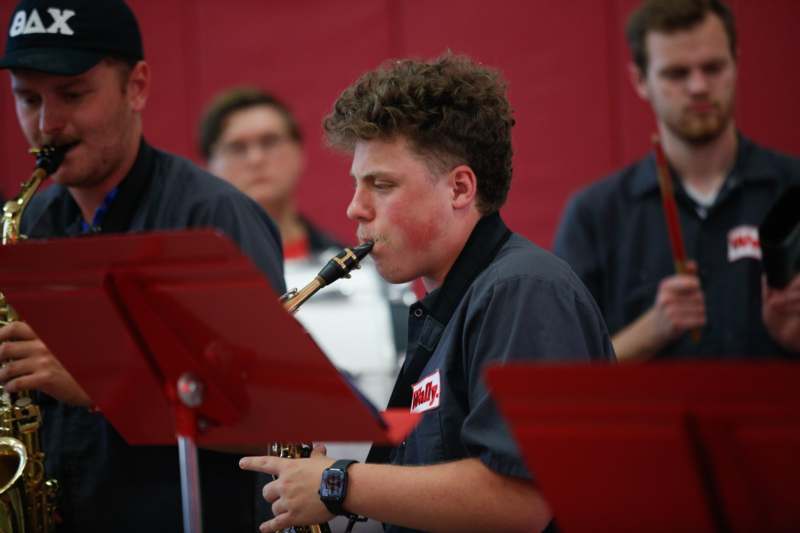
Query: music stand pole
(190,396)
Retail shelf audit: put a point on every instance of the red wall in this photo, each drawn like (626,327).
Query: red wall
(577,118)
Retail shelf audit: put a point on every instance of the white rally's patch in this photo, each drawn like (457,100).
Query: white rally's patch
(425,394)
(743,242)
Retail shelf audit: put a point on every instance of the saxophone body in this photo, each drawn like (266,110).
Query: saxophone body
(27,499)
(338,267)
(289,450)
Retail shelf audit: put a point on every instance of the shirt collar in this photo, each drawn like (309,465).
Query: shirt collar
(129,193)
(489,234)
(748,167)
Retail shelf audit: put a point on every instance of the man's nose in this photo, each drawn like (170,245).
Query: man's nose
(360,207)
(698,81)
(255,154)
(51,119)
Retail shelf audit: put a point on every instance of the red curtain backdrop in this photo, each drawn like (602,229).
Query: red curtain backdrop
(577,117)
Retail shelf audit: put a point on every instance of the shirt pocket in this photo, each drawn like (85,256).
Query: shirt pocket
(424,445)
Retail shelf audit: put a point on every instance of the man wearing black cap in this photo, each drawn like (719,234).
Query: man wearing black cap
(79,81)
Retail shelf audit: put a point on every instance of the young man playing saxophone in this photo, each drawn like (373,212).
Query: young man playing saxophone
(431,147)
(79,80)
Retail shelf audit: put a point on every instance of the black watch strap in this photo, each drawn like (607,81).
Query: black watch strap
(334,505)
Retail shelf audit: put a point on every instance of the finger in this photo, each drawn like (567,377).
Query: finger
(319,449)
(680,285)
(19,349)
(684,277)
(17,330)
(278,523)
(691,302)
(676,306)
(685,287)
(21,383)
(279,507)
(693,321)
(271,491)
(15,368)
(5,332)
(687,317)
(265,464)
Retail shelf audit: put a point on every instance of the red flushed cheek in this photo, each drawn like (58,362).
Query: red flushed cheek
(414,230)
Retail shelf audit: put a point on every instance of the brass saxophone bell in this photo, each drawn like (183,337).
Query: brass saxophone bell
(13,458)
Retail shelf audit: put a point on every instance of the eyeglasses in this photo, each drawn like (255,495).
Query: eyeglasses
(268,143)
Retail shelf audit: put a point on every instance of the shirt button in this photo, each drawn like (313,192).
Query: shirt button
(418,312)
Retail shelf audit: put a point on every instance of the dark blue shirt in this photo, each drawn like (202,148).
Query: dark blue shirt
(614,235)
(105,484)
(504,299)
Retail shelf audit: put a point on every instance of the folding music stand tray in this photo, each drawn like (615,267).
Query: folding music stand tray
(702,447)
(185,324)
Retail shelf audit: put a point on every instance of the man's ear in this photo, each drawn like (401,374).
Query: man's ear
(464,186)
(138,87)
(638,80)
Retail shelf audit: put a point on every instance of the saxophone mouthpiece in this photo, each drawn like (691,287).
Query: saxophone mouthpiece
(341,265)
(362,250)
(49,157)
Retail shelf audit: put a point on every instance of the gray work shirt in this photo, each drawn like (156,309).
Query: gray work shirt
(505,299)
(613,233)
(104,483)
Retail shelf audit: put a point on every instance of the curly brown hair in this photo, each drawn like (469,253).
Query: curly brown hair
(668,16)
(450,109)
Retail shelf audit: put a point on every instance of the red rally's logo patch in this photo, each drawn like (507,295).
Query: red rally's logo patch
(743,242)
(425,394)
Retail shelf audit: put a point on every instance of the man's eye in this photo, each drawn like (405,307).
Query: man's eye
(383,185)
(676,74)
(713,68)
(28,100)
(73,96)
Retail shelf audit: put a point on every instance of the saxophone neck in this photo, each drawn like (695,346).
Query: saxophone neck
(338,267)
(48,159)
(13,209)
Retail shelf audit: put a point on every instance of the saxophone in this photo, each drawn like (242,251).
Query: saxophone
(338,267)
(27,500)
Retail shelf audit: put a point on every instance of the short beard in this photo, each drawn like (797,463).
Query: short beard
(701,132)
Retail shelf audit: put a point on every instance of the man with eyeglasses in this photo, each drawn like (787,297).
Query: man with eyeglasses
(251,139)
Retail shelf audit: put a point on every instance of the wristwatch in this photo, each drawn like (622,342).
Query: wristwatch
(333,486)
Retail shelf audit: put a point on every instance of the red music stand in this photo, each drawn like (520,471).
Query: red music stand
(696,447)
(185,324)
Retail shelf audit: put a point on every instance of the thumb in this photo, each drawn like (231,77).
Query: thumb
(318,450)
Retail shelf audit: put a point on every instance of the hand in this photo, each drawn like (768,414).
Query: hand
(27,364)
(780,309)
(679,306)
(295,494)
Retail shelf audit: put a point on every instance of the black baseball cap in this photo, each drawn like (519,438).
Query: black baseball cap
(69,37)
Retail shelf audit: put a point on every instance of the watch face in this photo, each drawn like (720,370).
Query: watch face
(332,484)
